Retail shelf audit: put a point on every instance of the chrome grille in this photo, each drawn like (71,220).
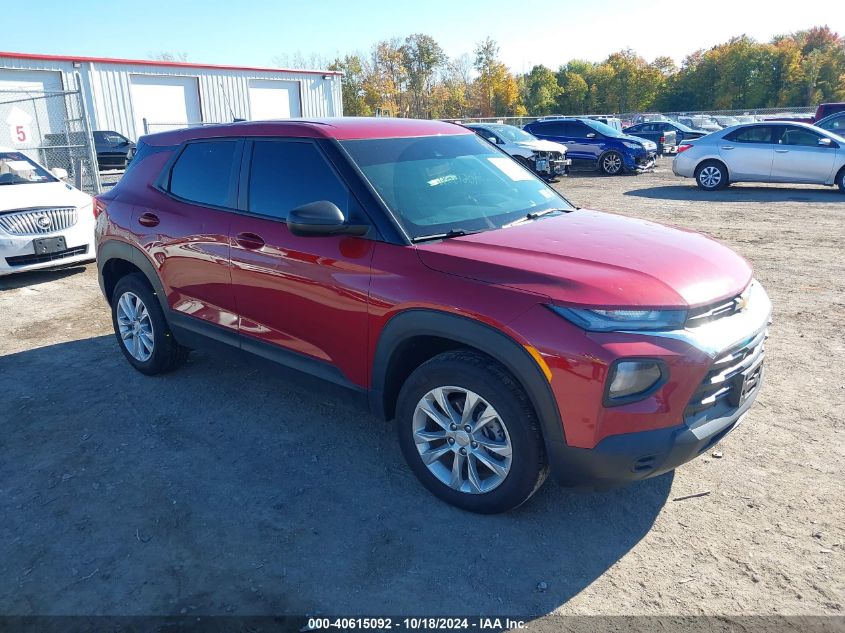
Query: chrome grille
(733,377)
(38,221)
(706,314)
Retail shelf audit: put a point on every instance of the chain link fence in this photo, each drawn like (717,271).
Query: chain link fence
(53,129)
(710,118)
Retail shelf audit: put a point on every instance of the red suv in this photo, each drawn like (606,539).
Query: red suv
(508,333)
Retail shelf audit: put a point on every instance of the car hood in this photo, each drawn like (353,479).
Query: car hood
(41,194)
(590,258)
(542,146)
(638,139)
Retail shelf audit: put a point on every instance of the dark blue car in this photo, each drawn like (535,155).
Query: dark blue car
(603,147)
(657,128)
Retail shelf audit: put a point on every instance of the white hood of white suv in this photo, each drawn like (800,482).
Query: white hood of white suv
(41,194)
(542,146)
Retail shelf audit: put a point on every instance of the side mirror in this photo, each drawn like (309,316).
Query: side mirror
(321,218)
(825,142)
(591,135)
(59,173)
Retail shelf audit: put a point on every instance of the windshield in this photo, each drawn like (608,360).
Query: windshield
(437,184)
(512,133)
(600,127)
(17,169)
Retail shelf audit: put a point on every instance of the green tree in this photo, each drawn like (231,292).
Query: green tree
(496,90)
(353,86)
(422,57)
(540,91)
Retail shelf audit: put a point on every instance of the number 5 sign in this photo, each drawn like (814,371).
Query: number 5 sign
(18,122)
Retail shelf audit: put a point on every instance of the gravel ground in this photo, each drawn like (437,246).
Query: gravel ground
(234,488)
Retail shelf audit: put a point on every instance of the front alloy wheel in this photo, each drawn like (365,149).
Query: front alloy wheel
(469,432)
(462,440)
(611,163)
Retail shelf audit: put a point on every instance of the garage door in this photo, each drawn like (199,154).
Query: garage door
(31,80)
(160,99)
(273,99)
(38,117)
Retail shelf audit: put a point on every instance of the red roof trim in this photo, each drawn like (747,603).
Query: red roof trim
(151,62)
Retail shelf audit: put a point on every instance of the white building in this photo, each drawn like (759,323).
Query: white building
(125,94)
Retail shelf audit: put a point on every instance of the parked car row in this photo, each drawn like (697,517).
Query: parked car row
(478,308)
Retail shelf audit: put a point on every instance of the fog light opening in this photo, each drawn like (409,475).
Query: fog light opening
(631,380)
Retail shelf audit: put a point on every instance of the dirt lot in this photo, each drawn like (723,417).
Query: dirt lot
(217,490)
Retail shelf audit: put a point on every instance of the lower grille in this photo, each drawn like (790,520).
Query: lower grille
(38,221)
(28,260)
(733,377)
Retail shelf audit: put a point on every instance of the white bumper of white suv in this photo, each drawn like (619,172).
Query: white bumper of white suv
(21,228)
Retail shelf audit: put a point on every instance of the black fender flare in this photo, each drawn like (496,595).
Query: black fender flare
(114,249)
(472,333)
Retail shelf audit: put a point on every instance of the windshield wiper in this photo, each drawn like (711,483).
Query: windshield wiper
(441,236)
(533,215)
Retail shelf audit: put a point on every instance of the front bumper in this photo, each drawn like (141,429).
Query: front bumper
(628,457)
(641,162)
(714,375)
(18,255)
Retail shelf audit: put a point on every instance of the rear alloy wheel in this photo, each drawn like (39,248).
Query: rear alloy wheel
(840,180)
(470,434)
(141,329)
(611,163)
(135,328)
(711,176)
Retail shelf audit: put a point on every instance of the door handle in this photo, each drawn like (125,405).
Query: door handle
(727,147)
(250,241)
(148,219)
(782,151)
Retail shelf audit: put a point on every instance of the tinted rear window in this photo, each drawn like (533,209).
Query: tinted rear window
(203,172)
(753,134)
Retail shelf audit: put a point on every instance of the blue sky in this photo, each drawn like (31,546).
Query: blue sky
(257,32)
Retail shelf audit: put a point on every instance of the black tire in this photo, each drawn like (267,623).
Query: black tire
(166,354)
(611,163)
(493,383)
(840,180)
(711,175)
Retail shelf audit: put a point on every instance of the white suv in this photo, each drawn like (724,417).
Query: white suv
(44,222)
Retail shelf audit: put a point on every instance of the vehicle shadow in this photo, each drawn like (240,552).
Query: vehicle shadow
(230,488)
(740,193)
(34,278)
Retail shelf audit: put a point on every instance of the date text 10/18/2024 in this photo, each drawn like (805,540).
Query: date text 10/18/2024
(412,624)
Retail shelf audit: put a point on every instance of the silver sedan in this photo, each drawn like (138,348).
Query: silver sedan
(769,151)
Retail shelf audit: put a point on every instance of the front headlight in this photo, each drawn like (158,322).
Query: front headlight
(618,320)
(631,145)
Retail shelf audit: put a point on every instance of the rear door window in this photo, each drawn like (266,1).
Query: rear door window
(204,173)
(753,134)
(288,174)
